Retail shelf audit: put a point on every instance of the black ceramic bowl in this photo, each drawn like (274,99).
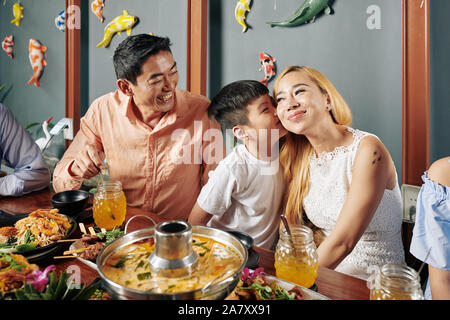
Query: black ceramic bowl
(70,202)
(245,238)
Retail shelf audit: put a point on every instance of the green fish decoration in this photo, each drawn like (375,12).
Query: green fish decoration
(305,14)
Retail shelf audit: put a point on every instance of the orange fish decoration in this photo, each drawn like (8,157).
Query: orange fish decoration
(97,9)
(268,66)
(37,60)
(8,45)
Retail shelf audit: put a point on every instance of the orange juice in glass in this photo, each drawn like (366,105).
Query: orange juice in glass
(396,282)
(296,258)
(110,205)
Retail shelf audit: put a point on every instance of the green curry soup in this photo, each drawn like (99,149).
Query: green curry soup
(129,267)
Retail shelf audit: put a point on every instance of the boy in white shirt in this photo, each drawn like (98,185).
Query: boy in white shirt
(245,191)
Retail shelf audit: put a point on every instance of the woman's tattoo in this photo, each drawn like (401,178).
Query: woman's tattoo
(375,160)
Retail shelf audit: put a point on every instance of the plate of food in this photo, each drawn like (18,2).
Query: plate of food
(34,235)
(257,285)
(14,268)
(21,280)
(89,246)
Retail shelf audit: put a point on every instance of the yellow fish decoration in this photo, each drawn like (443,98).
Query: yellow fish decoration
(242,7)
(117,25)
(18,13)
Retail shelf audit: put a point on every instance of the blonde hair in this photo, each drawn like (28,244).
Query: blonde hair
(297,150)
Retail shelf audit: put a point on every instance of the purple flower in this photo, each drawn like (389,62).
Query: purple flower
(39,279)
(257,272)
(246,274)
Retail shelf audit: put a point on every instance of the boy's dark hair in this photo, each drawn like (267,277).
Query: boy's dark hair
(229,106)
(132,52)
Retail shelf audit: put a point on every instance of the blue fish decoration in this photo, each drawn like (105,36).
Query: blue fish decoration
(60,21)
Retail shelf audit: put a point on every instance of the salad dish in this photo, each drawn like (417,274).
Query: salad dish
(34,235)
(257,285)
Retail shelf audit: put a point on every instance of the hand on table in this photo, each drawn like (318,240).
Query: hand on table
(88,162)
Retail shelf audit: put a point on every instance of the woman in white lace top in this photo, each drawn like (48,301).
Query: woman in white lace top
(343,179)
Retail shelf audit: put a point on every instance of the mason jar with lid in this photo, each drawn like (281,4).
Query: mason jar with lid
(110,205)
(296,257)
(396,282)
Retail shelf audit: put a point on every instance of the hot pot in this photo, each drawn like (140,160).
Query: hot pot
(173,254)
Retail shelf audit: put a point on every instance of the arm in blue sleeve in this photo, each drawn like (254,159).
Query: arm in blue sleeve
(431,233)
(19,150)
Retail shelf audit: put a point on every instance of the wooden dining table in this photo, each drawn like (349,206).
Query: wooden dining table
(330,283)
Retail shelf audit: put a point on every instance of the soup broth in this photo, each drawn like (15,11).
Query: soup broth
(129,266)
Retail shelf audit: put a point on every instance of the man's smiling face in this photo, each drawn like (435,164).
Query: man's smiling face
(155,86)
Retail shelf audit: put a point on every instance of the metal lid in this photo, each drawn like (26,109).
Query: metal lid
(173,255)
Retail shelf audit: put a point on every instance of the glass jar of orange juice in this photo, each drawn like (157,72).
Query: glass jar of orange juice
(296,258)
(396,282)
(110,205)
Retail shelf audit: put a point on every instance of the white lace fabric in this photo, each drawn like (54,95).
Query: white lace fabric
(330,179)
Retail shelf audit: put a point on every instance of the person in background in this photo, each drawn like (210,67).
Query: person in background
(157,139)
(342,179)
(245,191)
(22,154)
(430,242)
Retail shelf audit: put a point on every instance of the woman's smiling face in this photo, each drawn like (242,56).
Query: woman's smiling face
(301,103)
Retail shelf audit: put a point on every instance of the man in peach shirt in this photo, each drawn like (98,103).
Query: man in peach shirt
(157,139)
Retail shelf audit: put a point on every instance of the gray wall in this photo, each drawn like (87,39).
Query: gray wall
(29,103)
(160,17)
(440,80)
(364,65)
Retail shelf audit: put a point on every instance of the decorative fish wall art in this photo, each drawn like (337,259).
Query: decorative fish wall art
(8,45)
(242,7)
(37,60)
(18,13)
(117,25)
(305,14)
(60,21)
(97,9)
(268,66)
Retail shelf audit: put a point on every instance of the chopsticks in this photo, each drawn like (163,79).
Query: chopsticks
(72,253)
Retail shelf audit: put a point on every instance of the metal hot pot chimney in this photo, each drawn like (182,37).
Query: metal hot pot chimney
(173,255)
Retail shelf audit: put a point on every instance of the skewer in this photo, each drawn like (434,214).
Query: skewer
(63,257)
(82,228)
(75,251)
(68,240)
(92,231)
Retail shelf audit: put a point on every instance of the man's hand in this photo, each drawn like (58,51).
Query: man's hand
(87,163)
